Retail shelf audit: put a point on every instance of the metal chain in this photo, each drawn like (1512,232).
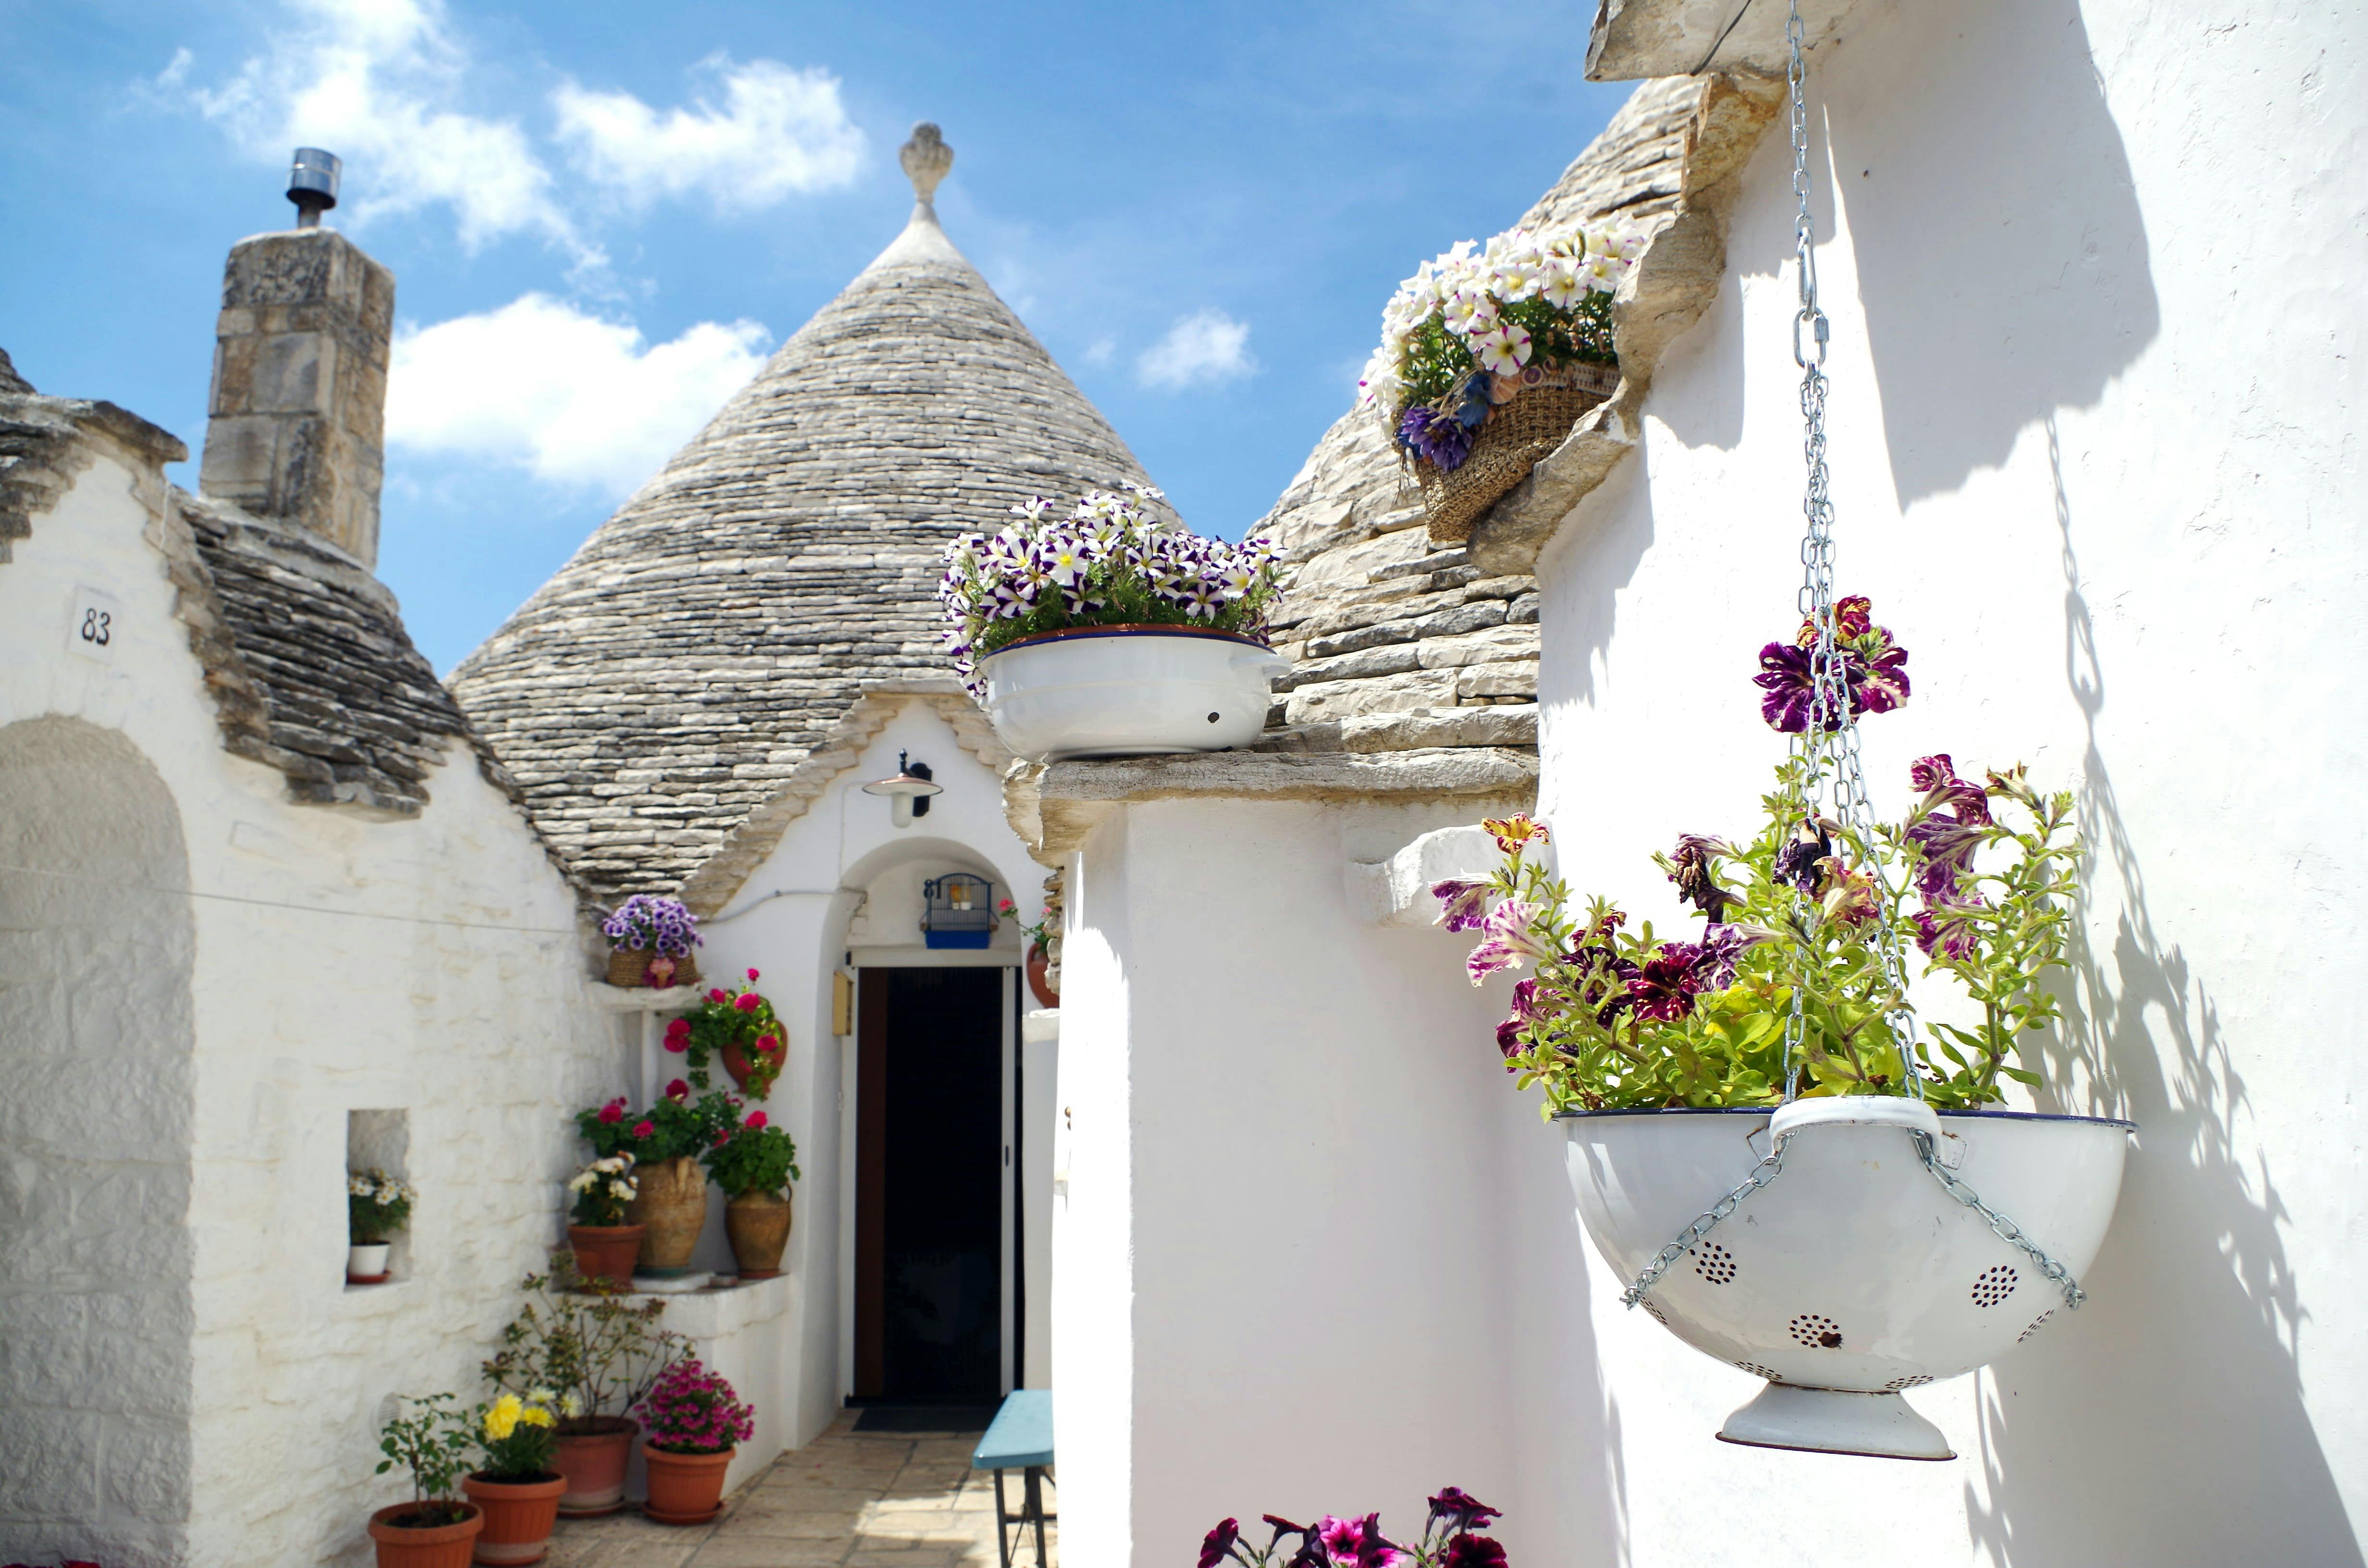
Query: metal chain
(2008,1231)
(1832,755)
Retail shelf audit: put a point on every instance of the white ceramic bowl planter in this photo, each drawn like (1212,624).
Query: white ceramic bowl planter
(1128,691)
(1853,1273)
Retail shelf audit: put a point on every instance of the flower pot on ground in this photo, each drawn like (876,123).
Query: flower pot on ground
(1797,1175)
(518,1487)
(601,1354)
(1489,356)
(648,929)
(1113,630)
(695,1423)
(406,1537)
(376,1207)
(754,1166)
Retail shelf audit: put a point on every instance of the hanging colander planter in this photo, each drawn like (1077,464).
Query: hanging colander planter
(1858,1274)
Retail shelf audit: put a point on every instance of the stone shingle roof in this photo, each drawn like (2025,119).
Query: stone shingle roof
(672,677)
(1399,644)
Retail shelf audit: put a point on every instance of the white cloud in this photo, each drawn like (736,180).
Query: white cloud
(379,82)
(762,132)
(1101,350)
(1206,349)
(574,399)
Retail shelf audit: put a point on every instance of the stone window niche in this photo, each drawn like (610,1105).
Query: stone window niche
(381,1139)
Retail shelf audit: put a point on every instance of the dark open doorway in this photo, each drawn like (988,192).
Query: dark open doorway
(928,1208)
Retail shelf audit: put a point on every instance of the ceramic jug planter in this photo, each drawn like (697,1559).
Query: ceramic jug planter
(735,1061)
(1853,1274)
(671,1206)
(519,1517)
(1040,978)
(591,1454)
(366,1263)
(606,1253)
(759,1224)
(685,1489)
(1128,691)
(434,1546)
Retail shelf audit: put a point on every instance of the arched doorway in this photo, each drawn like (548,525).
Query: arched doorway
(97,1108)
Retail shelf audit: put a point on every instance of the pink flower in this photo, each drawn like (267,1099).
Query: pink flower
(678,1090)
(755,1121)
(613,1112)
(717,995)
(723,1136)
(752,974)
(748,1001)
(645,1127)
(677,1035)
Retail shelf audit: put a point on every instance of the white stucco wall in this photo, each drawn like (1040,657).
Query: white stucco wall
(2093,273)
(843,878)
(430,966)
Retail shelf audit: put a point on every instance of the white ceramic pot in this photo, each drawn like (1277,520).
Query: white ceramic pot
(367,1263)
(1128,691)
(1853,1274)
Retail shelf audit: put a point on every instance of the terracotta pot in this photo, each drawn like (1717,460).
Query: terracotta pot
(685,1489)
(735,1061)
(440,1546)
(519,1517)
(1039,968)
(606,1252)
(672,1206)
(759,1224)
(592,1461)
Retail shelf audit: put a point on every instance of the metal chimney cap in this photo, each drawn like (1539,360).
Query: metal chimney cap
(313,184)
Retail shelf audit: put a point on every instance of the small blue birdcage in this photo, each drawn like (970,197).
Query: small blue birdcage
(957,911)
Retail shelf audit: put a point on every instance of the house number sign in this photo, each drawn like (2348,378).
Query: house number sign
(95,624)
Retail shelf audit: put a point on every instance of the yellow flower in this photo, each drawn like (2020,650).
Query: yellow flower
(503,1418)
(535,1416)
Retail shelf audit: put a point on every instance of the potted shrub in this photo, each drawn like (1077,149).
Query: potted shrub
(1112,630)
(696,1423)
(376,1207)
(737,1027)
(1451,1539)
(1490,355)
(518,1487)
(606,1246)
(754,1165)
(1885,1187)
(434,1529)
(1042,978)
(599,1354)
(651,940)
(669,1198)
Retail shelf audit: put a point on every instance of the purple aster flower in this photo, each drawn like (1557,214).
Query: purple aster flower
(1472,1551)
(1436,437)
(1466,904)
(1219,1543)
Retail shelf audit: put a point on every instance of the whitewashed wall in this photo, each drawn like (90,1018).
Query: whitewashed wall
(431,966)
(794,921)
(2096,450)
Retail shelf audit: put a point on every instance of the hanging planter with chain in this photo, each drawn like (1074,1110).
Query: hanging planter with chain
(1892,1227)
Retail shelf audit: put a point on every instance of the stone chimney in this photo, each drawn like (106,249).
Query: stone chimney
(296,425)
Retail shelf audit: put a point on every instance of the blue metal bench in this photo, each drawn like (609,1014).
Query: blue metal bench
(1020,1439)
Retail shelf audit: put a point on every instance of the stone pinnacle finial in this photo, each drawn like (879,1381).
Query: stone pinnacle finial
(926,159)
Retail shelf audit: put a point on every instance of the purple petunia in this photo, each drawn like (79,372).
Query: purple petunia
(1472,1551)
(1696,878)
(1663,986)
(1460,1511)
(1464,904)
(1873,670)
(1219,1543)
(1437,437)
(1937,776)
(1509,939)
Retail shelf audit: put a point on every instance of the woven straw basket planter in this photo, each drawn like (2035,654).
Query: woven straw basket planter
(1517,434)
(630,967)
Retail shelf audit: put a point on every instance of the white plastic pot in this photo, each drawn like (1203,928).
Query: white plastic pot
(1128,691)
(366,1264)
(1853,1274)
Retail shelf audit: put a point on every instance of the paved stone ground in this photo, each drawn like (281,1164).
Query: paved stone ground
(849,1499)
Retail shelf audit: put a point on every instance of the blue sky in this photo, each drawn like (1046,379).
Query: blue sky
(603,217)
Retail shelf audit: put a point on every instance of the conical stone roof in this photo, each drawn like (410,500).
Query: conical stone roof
(710,634)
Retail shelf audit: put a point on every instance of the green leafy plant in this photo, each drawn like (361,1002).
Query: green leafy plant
(738,1016)
(598,1351)
(433,1443)
(1979,873)
(377,1206)
(756,1157)
(1038,934)
(517,1434)
(675,1128)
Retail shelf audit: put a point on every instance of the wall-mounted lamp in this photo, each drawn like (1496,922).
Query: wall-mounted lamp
(908,793)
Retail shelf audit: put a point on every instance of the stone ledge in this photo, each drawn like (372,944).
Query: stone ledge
(1633,40)
(1054,806)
